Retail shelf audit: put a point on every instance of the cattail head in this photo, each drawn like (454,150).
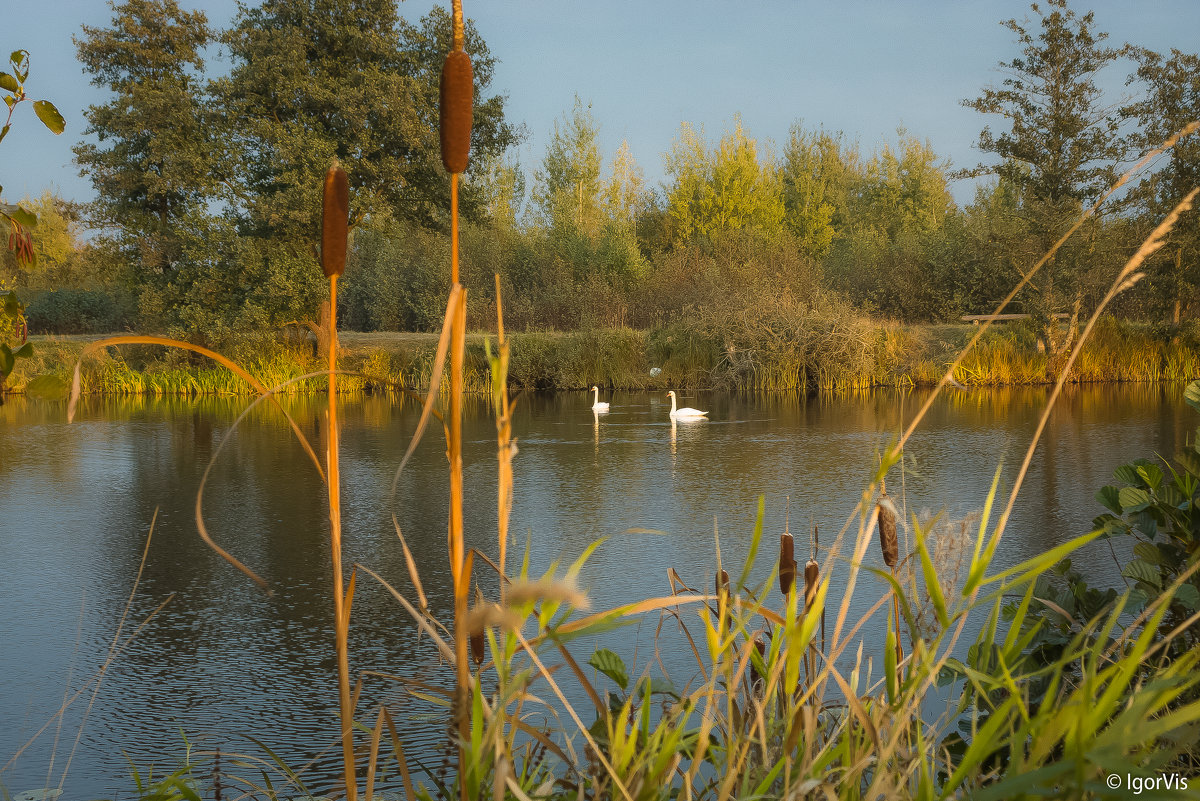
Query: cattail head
(723,584)
(760,645)
(812,576)
(888,541)
(335,221)
(476,638)
(455,111)
(787,563)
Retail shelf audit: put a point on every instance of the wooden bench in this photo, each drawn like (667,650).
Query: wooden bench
(999,318)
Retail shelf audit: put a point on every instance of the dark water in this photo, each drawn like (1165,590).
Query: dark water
(222,662)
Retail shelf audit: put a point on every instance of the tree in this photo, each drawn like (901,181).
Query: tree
(150,161)
(1060,143)
(314,80)
(725,189)
(567,188)
(625,194)
(812,173)
(1172,100)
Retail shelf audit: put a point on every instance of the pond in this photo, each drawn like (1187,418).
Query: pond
(221,662)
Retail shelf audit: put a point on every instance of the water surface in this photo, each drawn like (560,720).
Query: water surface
(221,661)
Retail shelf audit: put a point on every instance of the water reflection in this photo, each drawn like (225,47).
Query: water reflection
(222,660)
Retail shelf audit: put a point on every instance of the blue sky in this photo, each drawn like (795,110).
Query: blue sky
(864,67)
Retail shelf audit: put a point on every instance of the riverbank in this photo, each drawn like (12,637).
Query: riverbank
(859,357)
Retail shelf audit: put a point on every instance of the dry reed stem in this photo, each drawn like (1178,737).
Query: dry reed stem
(1126,278)
(1122,282)
(506,445)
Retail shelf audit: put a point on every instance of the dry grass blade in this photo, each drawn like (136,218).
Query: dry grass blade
(1125,278)
(232,366)
(421,620)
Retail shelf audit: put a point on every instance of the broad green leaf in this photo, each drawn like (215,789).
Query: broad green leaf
(610,665)
(1133,499)
(24,352)
(1151,474)
(1188,596)
(1109,499)
(1191,395)
(8,82)
(1139,570)
(47,387)
(1127,474)
(48,114)
(25,217)
(1149,553)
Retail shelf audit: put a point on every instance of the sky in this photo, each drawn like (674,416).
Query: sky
(863,67)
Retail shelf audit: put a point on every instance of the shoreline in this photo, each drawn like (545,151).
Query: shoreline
(890,356)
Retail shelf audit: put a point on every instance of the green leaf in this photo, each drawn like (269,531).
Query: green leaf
(1149,553)
(610,665)
(656,686)
(1109,499)
(1133,499)
(49,115)
(24,217)
(8,82)
(47,387)
(1188,596)
(24,352)
(1140,570)
(1191,395)
(1127,474)
(1151,474)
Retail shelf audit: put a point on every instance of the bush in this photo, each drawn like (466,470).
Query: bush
(76,311)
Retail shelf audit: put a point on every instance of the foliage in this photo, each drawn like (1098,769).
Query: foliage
(1061,145)
(75,311)
(727,188)
(1172,100)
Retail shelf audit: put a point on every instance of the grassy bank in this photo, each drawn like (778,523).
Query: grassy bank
(827,356)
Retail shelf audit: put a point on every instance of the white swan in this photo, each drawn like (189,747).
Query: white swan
(597,406)
(687,412)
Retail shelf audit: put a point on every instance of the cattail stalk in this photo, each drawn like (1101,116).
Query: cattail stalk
(334,233)
(454,128)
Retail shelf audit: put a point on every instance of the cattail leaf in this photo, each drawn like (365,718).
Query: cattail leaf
(755,541)
(982,557)
(932,584)
(610,665)
(889,665)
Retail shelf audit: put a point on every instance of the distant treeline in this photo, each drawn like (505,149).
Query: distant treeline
(207,194)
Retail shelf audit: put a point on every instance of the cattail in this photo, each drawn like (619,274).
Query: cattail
(888,542)
(335,219)
(455,111)
(787,563)
(723,584)
(812,576)
(760,645)
(477,638)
